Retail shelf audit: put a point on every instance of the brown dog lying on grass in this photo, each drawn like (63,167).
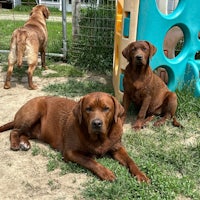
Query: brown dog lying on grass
(80,130)
(147,91)
(26,42)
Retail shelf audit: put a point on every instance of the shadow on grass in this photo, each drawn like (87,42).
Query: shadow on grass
(73,88)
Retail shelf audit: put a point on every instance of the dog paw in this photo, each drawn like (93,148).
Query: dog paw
(159,122)
(107,175)
(45,67)
(7,86)
(24,146)
(138,125)
(15,147)
(142,178)
(136,128)
(33,87)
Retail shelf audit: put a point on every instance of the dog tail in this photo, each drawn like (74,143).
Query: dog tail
(21,45)
(7,126)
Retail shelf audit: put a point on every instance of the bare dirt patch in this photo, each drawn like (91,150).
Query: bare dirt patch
(22,175)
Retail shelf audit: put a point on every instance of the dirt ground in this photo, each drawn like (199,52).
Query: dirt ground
(22,175)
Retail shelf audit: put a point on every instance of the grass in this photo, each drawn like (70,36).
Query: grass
(64,70)
(170,156)
(25,9)
(74,88)
(6,32)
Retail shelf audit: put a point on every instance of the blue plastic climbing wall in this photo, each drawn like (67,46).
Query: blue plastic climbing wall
(153,26)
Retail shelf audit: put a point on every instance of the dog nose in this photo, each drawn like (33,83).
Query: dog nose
(97,123)
(139,57)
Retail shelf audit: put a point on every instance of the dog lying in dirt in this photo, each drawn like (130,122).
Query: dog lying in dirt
(80,130)
(26,42)
(147,91)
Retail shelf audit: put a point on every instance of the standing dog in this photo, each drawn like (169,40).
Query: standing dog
(147,91)
(28,41)
(79,130)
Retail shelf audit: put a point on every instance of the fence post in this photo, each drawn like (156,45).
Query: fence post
(64,25)
(76,4)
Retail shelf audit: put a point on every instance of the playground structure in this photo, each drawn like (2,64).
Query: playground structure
(143,20)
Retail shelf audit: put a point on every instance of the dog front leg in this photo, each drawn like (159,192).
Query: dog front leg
(15,140)
(89,163)
(122,156)
(19,141)
(142,113)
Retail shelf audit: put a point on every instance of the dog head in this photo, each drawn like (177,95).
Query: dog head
(139,52)
(41,8)
(98,111)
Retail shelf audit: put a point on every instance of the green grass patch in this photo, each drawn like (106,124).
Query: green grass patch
(6,32)
(73,88)
(188,105)
(55,161)
(3,57)
(64,70)
(26,9)
(19,73)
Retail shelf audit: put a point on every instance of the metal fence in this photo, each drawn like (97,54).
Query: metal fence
(93,33)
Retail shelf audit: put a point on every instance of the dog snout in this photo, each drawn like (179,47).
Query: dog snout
(97,124)
(139,57)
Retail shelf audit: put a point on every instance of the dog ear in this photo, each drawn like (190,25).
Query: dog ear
(46,12)
(152,48)
(119,109)
(126,53)
(78,110)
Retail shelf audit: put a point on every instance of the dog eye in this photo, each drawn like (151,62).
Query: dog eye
(133,49)
(88,109)
(105,109)
(144,48)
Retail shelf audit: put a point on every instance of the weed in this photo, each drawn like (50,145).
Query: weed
(35,150)
(64,71)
